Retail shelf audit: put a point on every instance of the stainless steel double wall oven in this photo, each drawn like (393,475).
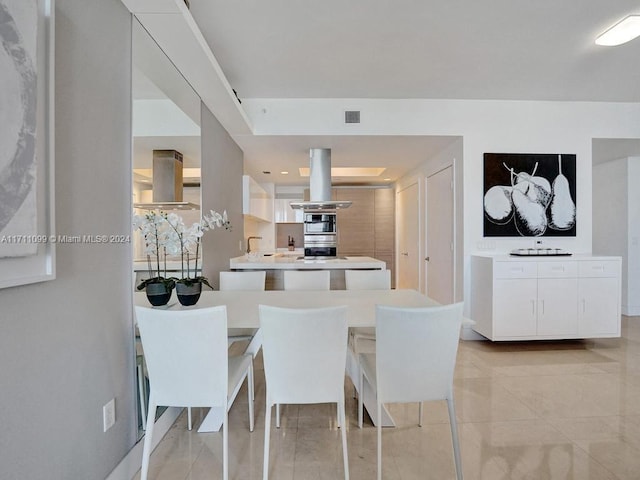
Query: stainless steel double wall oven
(320,234)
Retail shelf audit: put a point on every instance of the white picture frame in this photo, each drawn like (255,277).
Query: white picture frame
(39,265)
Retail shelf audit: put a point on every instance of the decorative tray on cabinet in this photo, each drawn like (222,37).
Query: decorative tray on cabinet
(539,252)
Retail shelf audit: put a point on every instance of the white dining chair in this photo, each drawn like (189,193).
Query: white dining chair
(304,353)
(367,279)
(188,364)
(307,279)
(414,362)
(363,338)
(242,281)
(304,280)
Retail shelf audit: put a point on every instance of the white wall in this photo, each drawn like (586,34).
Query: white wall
(611,216)
(616,217)
(66,346)
(486,126)
(633,260)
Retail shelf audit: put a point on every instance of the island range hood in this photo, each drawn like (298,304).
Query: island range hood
(167,183)
(320,183)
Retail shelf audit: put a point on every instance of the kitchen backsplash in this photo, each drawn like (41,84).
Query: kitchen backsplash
(286,230)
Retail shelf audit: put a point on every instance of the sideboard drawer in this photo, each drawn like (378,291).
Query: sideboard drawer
(557,269)
(516,269)
(599,268)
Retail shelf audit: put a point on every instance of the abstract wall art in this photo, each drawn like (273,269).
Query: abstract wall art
(529,195)
(18,76)
(26,139)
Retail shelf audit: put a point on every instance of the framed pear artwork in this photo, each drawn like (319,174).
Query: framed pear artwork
(529,195)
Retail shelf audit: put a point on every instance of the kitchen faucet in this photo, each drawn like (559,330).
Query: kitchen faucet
(249,243)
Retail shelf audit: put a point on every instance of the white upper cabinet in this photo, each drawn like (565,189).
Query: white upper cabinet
(283,213)
(256,201)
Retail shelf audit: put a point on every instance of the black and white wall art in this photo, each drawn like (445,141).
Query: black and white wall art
(26,141)
(18,77)
(529,195)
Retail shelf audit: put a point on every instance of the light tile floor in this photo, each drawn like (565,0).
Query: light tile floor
(526,410)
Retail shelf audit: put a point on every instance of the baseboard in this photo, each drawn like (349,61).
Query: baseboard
(631,310)
(130,464)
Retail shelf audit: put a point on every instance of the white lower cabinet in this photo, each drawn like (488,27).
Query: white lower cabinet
(557,307)
(598,307)
(554,298)
(515,307)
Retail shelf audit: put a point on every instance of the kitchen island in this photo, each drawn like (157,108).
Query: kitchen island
(276,264)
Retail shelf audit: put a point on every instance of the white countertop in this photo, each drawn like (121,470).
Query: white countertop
(172,265)
(547,258)
(287,261)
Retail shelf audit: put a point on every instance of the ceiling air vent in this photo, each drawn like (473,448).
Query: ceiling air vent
(352,116)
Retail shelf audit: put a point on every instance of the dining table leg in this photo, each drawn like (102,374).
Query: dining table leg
(368,393)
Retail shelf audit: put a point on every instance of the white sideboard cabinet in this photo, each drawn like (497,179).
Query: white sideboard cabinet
(528,298)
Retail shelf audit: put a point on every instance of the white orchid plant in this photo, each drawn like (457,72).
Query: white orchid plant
(154,228)
(168,234)
(186,242)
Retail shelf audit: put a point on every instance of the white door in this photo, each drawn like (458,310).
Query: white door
(408,238)
(439,266)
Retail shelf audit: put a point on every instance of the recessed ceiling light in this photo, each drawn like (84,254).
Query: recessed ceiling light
(387,179)
(622,32)
(348,171)
(284,172)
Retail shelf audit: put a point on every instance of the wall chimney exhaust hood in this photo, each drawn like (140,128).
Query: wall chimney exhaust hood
(167,183)
(320,183)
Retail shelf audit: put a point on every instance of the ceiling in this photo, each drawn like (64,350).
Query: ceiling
(455,49)
(398,154)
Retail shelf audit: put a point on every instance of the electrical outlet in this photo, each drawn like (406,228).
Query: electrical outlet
(109,414)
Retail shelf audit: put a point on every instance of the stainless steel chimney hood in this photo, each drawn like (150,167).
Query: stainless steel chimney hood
(167,183)
(320,183)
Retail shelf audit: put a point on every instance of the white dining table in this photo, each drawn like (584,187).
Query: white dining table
(243,312)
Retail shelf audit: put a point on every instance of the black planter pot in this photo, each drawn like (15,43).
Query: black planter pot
(158,293)
(189,294)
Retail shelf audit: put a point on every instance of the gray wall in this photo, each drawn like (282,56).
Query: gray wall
(66,345)
(616,225)
(222,167)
